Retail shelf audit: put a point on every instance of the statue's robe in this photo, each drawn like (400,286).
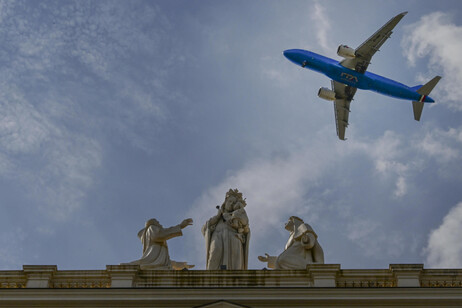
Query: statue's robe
(301,249)
(225,246)
(155,249)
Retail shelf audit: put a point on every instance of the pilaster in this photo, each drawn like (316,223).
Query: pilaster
(324,275)
(122,276)
(407,275)
(39,276)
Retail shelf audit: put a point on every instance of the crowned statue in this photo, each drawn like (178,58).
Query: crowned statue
(227,235)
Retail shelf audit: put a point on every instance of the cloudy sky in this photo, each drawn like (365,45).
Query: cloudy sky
(114,112)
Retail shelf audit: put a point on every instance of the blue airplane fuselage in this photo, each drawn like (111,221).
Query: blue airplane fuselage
(367,81)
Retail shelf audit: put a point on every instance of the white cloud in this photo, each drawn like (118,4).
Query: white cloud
(94,52)
(63,160)
(63,182)
(22,127)
(49,132)
(444,247)
(322,24)
(444,146)
(401,187)
(436,38)
(395,157)
(388,154)
(369,236)
(361,229)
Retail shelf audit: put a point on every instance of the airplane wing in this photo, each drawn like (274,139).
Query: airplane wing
(344,95)
(366,50)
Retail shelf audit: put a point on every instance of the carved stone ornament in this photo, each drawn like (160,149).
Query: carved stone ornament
(301,249)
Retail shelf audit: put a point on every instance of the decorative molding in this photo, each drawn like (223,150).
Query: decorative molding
(315,275)
(324,275)
(123,276)
(247,297)
(407,275)
(39,276)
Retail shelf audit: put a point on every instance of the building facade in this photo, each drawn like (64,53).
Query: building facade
(319,285)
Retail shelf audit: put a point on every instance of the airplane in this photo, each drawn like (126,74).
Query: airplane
(350,74)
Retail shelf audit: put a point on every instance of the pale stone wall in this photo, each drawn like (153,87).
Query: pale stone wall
(317,285)
(315,275)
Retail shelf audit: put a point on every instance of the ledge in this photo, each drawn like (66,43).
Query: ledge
(315,275)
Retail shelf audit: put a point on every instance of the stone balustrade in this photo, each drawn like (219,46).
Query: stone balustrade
(315,275)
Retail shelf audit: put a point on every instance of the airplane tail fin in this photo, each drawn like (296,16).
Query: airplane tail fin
(424,91)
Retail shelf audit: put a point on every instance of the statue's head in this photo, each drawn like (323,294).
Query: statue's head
(233,196)
(293,223)
(238,205)
(153,222)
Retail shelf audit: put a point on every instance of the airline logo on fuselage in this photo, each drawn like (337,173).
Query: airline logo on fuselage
(349,77)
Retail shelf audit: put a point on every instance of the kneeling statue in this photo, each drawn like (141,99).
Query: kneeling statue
(301,249)
(155,250)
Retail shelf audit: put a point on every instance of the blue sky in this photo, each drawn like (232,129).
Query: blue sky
(114,112)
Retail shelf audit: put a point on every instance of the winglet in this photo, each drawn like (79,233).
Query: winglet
(424,91)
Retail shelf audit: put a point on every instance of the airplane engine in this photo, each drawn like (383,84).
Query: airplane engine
(326,94)
(346,52)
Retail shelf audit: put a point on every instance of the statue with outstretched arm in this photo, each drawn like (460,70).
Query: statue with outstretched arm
(155,250)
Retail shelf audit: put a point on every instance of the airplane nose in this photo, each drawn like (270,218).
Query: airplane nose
(289,54)
(294,56)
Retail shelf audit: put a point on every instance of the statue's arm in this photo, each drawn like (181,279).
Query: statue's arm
(186,222)
(308,240)
(166,234)
(271,260)
(214,220)
(178,266)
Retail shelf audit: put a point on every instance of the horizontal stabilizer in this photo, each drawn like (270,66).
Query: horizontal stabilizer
(418,107)
(428,87)
(424,91)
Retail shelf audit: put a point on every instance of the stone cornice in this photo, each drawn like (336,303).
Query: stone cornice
(314,276)
(249,297)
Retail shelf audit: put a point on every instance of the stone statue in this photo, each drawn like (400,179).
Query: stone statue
(227,235)
(155,250)
(301,249)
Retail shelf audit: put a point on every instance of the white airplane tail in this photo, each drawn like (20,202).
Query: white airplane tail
(424,91)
